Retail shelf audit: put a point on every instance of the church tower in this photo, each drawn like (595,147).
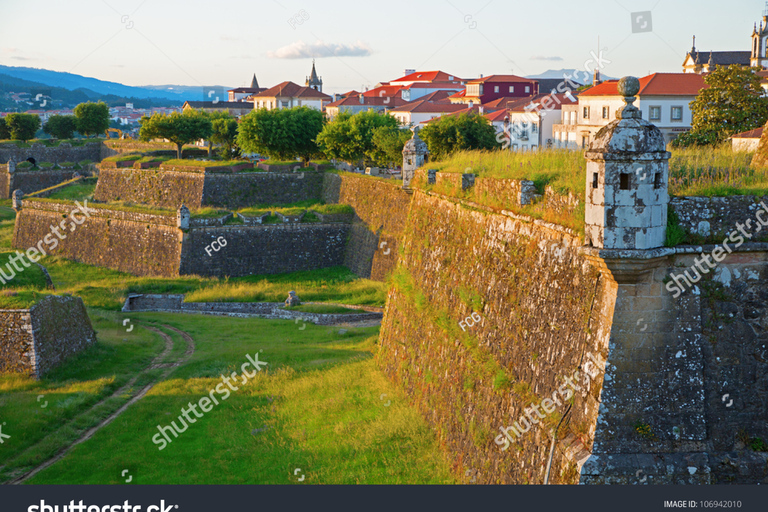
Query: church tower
(313,80)
(760,42)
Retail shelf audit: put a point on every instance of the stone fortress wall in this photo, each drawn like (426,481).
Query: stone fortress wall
(36,340)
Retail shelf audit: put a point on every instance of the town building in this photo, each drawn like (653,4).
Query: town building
(756,56)
(416,112)
(664,100)
(313,81)
(289,95)
(352,104)
(242,93)
(486,89)
(747,141)
(529,123)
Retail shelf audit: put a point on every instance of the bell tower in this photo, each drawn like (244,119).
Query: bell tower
(760,42)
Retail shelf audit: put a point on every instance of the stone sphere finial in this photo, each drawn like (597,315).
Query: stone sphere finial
(628,87)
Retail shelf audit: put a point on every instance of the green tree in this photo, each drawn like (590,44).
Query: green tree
(60,127)
(179,128)
(449,134)
(224,132)
(282,134)
(22,126)
(388,145)
(4,132)
(92,118)
(733,103)
(350,138)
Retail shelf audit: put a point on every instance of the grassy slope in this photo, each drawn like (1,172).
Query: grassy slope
(319,407)
(69,390)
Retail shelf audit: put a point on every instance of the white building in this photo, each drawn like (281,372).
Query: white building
(664,100)
(416,112)
(289,95)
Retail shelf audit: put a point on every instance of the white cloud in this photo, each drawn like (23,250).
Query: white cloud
(319,49)
(541,57)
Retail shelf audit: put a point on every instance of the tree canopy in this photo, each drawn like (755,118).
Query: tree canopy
(449,134)
(224,132)
(351,137)
(22,126)
(733,103)
(179,128)
(60,127)
(92,118)
(4,132)
(388,145)
(283,134)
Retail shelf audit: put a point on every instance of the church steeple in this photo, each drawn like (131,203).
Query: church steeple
(254,82)
(313,80)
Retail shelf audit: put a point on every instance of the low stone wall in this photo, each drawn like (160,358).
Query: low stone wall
(149,244)
(271,310)
(30,181)
(263,249)
(713,218)
(199,187)
(64,152)
(39,339)
(138,243)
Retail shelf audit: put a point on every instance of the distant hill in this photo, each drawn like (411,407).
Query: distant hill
(579,76)
(101,88)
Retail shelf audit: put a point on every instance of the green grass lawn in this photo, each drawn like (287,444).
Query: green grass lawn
(326,309)
(321,406)
(77,191)
(39,428)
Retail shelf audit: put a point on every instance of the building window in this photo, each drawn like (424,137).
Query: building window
(583,142)
(533,147)
(514,147)
(586,113)
(657,180)
(655,114)
(624,181)
(606,112)
(677,114)
(496,88)
(527,89)
(534,128)
(511,88)
(595,178)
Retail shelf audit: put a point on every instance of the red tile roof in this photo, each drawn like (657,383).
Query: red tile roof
(438,97)
(499,115)
(555,103)
(751,134)
(468,110)
(291,90)
(369,101)
(428,76)
(657,84)
(387,90)
(425,106)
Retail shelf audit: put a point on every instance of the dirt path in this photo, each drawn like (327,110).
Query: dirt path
(155,364)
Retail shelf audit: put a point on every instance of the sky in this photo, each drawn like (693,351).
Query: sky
(360,43)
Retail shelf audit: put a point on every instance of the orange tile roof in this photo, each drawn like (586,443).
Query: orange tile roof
(427,76)
(292,90)
(421,105)
(751,134)
(386,90)
(657,84)
(369,101)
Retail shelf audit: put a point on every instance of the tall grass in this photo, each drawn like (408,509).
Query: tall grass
(715,172)
(710,172)
(562,169)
